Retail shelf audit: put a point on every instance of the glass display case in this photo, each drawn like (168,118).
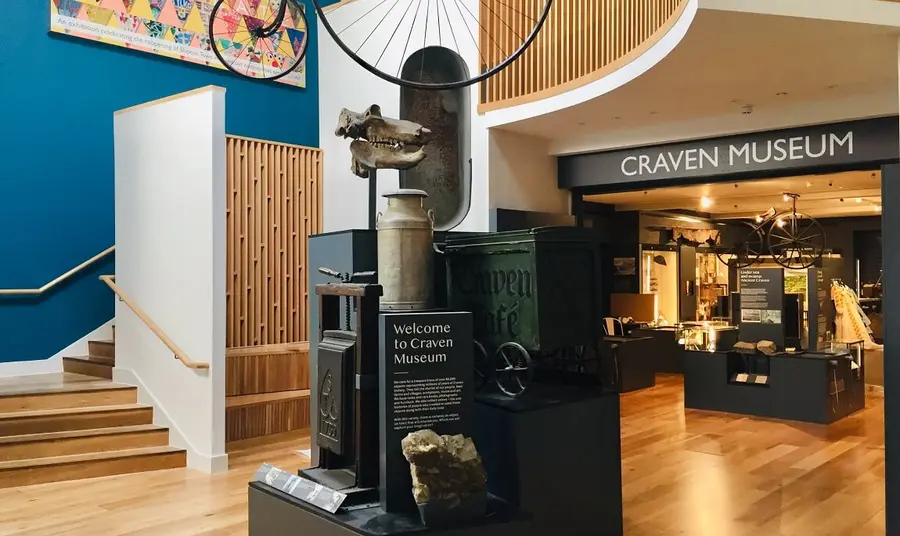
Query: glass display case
(713,336)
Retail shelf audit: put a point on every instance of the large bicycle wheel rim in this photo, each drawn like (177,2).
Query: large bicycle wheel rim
(755,242)
(433,86)
(812,235)
(300,55)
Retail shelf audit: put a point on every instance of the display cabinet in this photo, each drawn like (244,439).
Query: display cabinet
(711,336)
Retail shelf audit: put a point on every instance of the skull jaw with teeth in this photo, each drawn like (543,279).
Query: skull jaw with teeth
(380,142)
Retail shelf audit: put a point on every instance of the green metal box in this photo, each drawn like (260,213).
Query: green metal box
(539,287)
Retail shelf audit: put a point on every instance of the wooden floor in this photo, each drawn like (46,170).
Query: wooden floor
(684,473)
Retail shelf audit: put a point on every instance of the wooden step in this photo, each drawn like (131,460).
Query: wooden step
(60,420)
(98,367)
(77,466)
(30,446)
(69,395)
(103,348)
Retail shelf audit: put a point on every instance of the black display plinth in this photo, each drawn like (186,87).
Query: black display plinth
(555,453)
(667,354)
(816,388)
(274,513)
(634,361)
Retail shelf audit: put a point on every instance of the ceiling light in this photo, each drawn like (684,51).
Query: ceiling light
(859,199)
(705,202)
(688,219)
(809,185)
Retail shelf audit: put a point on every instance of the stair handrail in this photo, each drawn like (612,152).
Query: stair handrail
(49,285)
(110,280)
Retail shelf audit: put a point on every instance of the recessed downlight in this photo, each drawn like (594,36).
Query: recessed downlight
(705,202)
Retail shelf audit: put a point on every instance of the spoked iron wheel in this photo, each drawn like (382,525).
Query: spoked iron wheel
(514,370)
(262,39)
(745,251)
(380,35)
(482,366)
(796,241)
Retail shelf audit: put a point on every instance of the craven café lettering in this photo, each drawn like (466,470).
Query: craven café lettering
(762,152)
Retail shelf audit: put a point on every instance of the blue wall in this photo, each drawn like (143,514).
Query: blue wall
(57,98)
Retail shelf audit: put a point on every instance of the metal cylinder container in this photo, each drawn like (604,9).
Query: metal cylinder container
(406,252)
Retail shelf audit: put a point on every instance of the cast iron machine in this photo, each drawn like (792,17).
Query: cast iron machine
(347,382)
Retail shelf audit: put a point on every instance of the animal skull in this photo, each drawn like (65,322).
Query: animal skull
(380,142)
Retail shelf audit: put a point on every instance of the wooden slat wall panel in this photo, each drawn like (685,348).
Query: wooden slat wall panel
(581,40)
(266,369)
(257,420)
(273,206)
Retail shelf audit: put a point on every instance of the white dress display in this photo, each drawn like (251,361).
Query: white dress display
(851,322)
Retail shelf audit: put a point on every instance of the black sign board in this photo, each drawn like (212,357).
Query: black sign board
(762,305)
(866,141)
(427,382)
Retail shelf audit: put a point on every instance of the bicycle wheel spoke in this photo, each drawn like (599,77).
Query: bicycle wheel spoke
(480,54)
(507,6)
(396,2)
(452,33)
(502,21)
(408,37)
(361,17)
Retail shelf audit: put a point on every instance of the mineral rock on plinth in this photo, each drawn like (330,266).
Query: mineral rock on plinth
(445,469)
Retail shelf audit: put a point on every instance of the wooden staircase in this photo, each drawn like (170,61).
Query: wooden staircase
(66,426)
(99,362)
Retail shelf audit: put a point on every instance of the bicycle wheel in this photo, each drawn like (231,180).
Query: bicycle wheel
(796,241)
(745,251)
(380,35)
(262,39)
(514,369)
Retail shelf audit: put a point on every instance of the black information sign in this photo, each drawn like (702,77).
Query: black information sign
(426,382)
(306,490)
(836,144)
(762,305)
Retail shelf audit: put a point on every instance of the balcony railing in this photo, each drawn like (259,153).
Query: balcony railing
(582,41)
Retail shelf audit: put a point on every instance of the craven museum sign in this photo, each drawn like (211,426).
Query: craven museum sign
(865,141)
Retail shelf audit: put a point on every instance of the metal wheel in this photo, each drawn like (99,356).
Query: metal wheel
(796,241)
(745,251)
(265,42)
(380,36)
(514,370)
(481,366)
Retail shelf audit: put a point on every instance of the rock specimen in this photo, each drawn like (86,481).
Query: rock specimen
(766,347)
(744,348)
(445,469)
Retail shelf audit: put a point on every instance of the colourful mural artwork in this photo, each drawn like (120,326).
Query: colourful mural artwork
(175,28)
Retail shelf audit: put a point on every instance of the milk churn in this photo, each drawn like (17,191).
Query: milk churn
(405,252)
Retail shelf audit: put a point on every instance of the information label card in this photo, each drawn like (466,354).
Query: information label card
(762,303)
(426,376)
(306,490)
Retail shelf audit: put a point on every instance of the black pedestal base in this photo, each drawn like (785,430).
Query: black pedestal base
(273,513)
(556,454)
(803,387)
